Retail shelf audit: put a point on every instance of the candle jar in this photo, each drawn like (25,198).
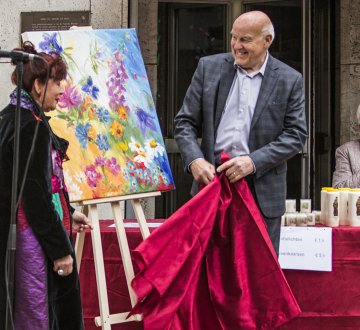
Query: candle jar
(323,204)
(343,206)
(305,205)
(290,206)
(332,208)
(354,207)
(291,219)
(301,220)
(310,219)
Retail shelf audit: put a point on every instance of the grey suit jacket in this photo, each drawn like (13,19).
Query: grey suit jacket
(347,170)
(278,129)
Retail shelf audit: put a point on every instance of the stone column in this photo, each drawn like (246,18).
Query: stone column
(147,33)
(349,69)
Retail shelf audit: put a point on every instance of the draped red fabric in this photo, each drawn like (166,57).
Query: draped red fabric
(211,266)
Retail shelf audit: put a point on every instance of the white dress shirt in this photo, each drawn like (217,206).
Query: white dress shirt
(232,135)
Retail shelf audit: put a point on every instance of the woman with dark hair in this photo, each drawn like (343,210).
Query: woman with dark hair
(47,293)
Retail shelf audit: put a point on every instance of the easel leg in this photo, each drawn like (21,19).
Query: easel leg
(99,269)
(140,216)
(125,251)
(79,243)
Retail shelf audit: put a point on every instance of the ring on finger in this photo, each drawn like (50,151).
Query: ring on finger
(60,272)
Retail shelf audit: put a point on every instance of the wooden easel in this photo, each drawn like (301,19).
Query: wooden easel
(105,320)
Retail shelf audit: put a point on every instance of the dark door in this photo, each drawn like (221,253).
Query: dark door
(306,38)
(287,18)
(186,32)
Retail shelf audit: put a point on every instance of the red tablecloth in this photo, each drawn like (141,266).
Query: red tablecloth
(328,300)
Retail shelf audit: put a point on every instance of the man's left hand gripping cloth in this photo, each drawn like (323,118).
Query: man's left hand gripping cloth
(212,266)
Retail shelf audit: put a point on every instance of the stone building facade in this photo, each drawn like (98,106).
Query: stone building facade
(144,14)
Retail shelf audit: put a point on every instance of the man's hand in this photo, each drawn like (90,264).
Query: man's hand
(63,266)
(202,171)
(81,222)
(237,168)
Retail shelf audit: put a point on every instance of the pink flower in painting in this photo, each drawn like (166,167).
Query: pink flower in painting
(92,175)
(70,98)
(100,161)
(113,165)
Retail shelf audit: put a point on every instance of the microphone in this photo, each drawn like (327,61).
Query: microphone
(17,55)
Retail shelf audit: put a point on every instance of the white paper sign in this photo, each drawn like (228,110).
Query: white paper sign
(306,248)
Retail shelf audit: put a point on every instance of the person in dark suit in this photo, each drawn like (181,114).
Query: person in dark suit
(251,106)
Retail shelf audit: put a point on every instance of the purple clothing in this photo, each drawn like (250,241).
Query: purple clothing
(31,305)
(26,101)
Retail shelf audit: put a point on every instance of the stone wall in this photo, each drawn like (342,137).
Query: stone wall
(147,33)
(349,69)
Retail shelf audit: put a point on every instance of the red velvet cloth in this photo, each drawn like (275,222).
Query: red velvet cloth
(328,300)
(211,266)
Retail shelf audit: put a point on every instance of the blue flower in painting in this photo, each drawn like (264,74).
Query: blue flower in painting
(81,133)
(133,183)
(165,179)
(102,142)
(103,115)
(155,179)
(130,166)
(145,120)
(50,44)
(164,166)
(125,174)
(147,176)
(90,88)
(139,173)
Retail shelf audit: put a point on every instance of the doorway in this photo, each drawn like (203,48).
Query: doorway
(186,32)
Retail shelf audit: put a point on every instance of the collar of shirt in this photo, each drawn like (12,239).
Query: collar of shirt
(253,74)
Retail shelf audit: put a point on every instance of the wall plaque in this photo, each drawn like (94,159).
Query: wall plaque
(53,20)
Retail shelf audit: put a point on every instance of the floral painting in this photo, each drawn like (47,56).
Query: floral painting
(107,114)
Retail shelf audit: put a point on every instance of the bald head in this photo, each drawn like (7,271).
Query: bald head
(258,20)
(251,36)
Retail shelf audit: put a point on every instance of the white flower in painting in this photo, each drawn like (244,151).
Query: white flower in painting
(67,177)
(154,149)
(74,191)
(80,176)
(142,157)
(135,146)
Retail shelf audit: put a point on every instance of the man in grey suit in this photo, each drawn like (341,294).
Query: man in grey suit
(251,106)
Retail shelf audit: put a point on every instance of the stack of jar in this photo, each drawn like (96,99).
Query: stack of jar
(301,219)
(340,207)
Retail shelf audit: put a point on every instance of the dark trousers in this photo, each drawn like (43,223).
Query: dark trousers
(273,228)
(273,224)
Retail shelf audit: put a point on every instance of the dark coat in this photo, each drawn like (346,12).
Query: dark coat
(40,212)
(278,128)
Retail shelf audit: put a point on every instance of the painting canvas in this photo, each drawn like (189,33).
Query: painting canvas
(107,114)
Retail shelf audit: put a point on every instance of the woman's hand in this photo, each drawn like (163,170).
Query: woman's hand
(81,222)
(63,266)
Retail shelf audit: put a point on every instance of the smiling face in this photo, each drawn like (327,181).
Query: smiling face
(250,40)
(54,90)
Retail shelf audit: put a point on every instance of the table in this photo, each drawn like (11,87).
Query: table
(328,300)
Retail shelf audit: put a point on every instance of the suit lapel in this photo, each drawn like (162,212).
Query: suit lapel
(226,79)
(267,85)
